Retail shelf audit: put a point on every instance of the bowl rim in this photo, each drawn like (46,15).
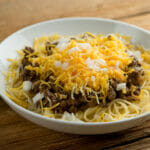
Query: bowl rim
(39,116)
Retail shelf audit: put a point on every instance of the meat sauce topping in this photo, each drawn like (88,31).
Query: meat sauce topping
(54,95)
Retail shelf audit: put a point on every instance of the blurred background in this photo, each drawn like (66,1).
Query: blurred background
(16,14)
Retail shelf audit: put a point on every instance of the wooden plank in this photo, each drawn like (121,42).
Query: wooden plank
(18,133)
(17,14)
(143,144)
(141,21)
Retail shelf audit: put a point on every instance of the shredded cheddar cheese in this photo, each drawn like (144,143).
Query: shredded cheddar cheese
(82,63)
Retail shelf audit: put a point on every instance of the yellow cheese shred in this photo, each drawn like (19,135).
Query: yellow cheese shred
(78,71)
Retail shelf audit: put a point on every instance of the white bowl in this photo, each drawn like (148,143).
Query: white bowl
(69,26)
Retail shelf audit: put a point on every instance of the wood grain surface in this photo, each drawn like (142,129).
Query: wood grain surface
(16,133)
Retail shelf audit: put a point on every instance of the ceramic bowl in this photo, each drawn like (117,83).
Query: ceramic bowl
(69,26)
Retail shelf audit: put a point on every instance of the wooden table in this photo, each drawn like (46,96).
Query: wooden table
(18,133)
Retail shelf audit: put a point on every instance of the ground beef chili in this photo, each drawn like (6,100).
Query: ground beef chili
(49,46)
(74,105)
(54,95)
(112,93)
(27,51)
(134,78)
(25,73)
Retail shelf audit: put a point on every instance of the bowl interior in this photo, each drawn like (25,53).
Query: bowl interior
(68,26)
